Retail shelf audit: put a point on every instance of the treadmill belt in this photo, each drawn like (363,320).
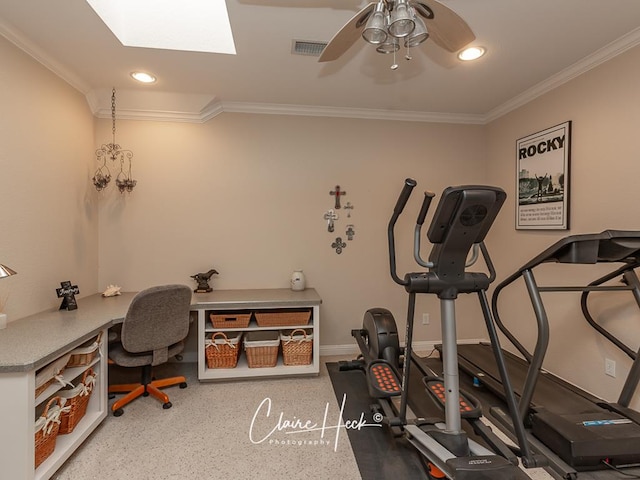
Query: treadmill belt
(551,392)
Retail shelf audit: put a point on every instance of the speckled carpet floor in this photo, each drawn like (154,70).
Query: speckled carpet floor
(243,429)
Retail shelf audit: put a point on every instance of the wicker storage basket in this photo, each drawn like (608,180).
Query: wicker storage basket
(75,401)
(262,348)
(85,353)
(51,373)
(297,346)
(222,350)
(283,318)
(46,430)
(230,319)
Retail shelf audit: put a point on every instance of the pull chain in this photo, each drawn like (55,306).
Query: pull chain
(395,65)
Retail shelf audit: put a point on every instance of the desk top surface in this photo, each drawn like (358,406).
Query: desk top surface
(258,298)
(31,342)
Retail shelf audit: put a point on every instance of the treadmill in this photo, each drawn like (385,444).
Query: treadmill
(575,430)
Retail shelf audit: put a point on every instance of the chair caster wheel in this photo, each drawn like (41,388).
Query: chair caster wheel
(112,396)
(166,405)
(145,394)
(118,412)
(183,385)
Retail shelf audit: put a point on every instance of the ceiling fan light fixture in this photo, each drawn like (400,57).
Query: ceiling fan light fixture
(471,53)
(418,35)
(390,46)
(376,30)
(401,21)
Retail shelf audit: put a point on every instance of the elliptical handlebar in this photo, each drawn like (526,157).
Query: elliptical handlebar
(426,202)
(409,185)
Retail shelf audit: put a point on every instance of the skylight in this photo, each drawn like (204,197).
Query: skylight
(191,25)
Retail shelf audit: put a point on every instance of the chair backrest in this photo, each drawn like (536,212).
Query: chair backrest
(157,318)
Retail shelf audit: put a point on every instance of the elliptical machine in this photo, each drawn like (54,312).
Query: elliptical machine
(462,219)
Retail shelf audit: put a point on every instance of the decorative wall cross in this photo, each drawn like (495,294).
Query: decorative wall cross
(349,207)
(330,216)
(338,193)
(338,245)
(350,232)
(68,292)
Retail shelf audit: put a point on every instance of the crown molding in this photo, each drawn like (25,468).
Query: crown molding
(19,40)
(195,114)
(599,57)
(340,112)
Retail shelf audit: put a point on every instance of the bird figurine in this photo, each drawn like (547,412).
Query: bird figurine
(203,281)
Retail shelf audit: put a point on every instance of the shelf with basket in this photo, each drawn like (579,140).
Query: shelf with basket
(48,340)
(74,400)
(247,341)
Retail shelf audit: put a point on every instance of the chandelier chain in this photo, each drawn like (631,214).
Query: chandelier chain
(113,114)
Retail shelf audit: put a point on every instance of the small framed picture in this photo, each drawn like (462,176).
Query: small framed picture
(542,161)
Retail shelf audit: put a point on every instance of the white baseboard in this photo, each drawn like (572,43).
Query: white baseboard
(351,349)
(421,346)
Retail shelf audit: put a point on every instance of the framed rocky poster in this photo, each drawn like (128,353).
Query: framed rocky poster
(543,179)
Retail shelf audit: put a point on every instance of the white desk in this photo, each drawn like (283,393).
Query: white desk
(34,341)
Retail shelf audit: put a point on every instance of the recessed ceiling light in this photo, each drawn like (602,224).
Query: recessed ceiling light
(471,53)
(143,77)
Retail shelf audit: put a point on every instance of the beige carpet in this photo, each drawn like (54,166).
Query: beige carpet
(220,431)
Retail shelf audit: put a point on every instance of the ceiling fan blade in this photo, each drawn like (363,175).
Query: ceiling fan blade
(446,28)
(347,35)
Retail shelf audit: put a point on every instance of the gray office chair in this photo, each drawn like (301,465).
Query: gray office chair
(153,330)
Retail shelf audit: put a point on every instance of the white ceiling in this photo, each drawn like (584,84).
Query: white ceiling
(533,45)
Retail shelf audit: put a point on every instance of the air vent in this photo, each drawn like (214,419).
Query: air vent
(305,47)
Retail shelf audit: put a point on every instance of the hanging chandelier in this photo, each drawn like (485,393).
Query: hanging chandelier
(392,21)
(112,151)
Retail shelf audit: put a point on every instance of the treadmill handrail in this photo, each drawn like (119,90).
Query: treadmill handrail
(606,247)
(589,318)
(591,248)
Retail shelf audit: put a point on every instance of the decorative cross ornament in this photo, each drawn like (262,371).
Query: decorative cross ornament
(338,193)
(330,216)
(350,231)
(349,207)
(67,292)
(338,245)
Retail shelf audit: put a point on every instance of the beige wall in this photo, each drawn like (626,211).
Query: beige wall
(48,213)
(246,194)
(604,106)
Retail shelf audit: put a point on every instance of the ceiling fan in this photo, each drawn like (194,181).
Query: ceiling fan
(387,23)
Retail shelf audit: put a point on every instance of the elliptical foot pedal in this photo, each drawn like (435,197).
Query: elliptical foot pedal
(469,405)
(384,381)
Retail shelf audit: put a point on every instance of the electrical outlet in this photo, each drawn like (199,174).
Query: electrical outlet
(425,319)
(609,367)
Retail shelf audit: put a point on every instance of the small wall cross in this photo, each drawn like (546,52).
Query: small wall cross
(338,193)
(330,216)
(338,245)
(350,232)
(349,207)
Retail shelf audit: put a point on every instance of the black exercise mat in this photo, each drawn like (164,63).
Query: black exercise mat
(378,454)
